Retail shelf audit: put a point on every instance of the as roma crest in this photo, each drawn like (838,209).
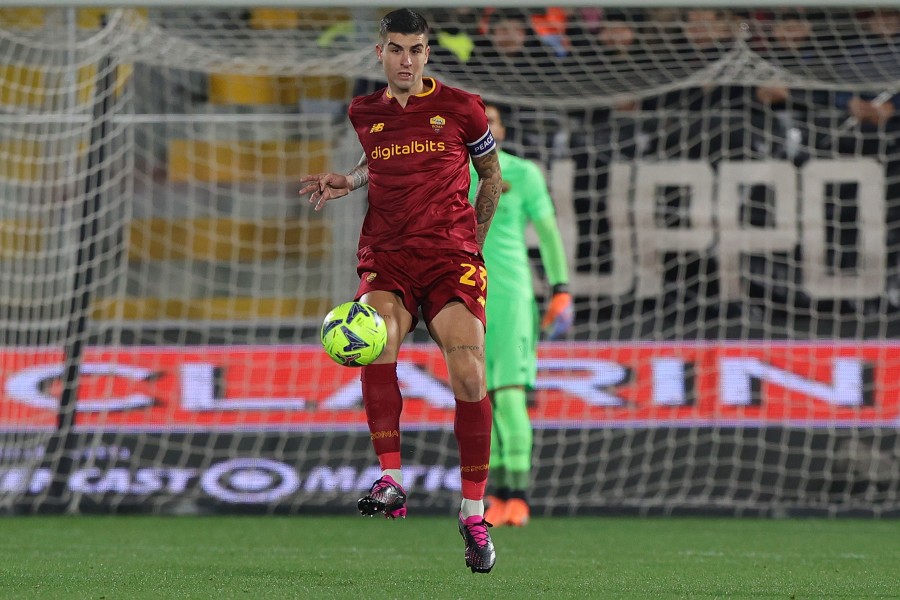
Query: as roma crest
(437,123)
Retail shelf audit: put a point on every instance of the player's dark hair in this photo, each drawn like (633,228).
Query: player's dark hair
(403,20)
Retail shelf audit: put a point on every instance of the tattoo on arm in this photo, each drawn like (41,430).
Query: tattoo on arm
(487,196)
(359,176)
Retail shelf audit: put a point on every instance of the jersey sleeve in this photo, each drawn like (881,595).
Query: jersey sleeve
(540,211)
(553,254)
(351,111)
(478,136)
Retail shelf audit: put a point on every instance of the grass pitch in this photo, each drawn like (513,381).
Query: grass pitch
(136,557)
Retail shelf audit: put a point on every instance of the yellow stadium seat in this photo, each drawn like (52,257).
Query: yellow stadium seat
(240,89)
(23,160)
(21,238)
(227,239)
(296,18)
(33,160)
(215,309)
(90,18)
(325,88)
(37,86)
(24,18)
(320,18)
(31,18)
(22,85)
(274,18)
(236,88)
(244,160)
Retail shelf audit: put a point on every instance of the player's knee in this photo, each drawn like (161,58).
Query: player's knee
(469,387)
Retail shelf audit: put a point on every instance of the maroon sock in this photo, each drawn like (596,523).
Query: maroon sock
(472,427)
(383,404)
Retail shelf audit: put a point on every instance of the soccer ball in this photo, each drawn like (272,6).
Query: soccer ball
(353,334)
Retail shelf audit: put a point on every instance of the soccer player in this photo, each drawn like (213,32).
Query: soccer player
(513,316)
(420,248)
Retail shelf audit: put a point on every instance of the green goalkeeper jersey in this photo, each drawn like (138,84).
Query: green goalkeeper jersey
(505,251)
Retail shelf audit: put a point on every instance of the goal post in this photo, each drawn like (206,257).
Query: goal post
(728,187)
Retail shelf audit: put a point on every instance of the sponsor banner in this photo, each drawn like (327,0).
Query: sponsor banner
(198,471)
(714,203)
(579,385)
(575,471)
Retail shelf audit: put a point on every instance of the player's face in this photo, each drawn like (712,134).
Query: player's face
(494,122)
(403,57)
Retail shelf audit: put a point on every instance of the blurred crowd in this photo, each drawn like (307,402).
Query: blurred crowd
(828,76)
(626,48)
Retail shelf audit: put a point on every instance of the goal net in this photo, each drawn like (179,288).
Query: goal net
(728,188)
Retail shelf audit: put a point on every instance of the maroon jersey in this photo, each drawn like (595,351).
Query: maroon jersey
(418,160)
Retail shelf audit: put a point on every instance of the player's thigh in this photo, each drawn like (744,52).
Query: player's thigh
(396,318)
(460,335)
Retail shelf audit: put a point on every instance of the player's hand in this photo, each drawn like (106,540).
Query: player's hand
(323,187)
(559,316)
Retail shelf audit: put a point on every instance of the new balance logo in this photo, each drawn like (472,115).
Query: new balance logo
(376,128)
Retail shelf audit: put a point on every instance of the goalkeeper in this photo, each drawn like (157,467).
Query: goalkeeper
(512,333)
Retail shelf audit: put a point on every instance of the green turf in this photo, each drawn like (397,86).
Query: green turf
(350,557)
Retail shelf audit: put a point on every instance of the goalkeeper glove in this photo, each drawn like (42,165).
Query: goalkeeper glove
(560,313)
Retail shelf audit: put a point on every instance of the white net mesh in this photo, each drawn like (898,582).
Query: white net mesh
(726,182)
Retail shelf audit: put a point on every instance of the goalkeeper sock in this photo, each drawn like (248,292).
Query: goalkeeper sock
(383,404)
(519,480)
(515,434)
(497,480)
(472,428)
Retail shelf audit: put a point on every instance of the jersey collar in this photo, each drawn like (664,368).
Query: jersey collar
(427,92)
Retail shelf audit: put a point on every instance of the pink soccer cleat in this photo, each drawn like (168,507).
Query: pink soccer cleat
(387,497)
(480,555)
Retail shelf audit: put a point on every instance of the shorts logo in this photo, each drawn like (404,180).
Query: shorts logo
(437,123)
(371,277)
(376,127)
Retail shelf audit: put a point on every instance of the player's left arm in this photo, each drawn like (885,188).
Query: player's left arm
(560,314)
(323,187)
(487,194)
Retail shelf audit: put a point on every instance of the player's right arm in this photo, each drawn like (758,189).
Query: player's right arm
(323,187)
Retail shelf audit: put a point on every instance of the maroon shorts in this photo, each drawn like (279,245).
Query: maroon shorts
(426,278)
